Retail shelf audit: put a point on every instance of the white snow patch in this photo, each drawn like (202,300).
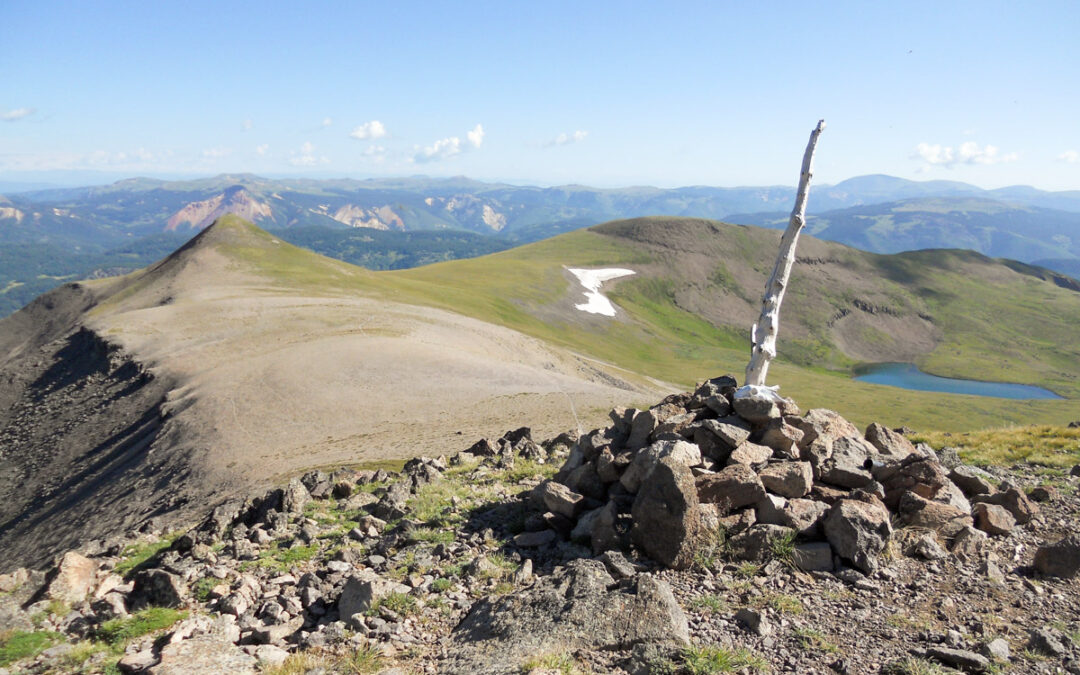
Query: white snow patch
(592,280)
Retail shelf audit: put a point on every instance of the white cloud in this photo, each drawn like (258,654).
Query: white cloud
(476,136)
(306,156)
(247,124)
(449,147)
(216,153)
(327,121)
(17,114)
(968,152)
(260,150)
(441,149)
(567,139)
(375,153)
(369,130)
(1069,157)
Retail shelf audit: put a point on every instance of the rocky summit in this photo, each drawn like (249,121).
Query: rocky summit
(705,534)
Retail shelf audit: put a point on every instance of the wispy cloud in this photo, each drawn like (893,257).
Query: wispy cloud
(369,131)
(216,153)
(247,125)
(260,150)
(17,114)
(306,156)
(327,121)
(448,147)
(476,136)
(375,153)
(1069,157)
(968,152)
(566,139)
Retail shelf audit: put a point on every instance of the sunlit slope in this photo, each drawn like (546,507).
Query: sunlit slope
(688,310)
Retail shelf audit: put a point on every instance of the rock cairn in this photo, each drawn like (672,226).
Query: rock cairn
(705,470)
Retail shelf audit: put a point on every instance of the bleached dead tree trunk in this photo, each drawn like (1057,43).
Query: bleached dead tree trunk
(763,334)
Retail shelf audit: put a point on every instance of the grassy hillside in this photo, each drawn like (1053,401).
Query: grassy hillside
(688,310)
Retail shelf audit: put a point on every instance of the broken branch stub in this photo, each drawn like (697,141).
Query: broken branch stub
(763,333)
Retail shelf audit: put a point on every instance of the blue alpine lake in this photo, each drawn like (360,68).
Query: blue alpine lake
(907,376)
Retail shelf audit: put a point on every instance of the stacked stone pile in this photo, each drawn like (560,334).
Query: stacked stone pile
(709,468)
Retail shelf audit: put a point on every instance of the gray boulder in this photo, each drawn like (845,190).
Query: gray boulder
(577,607)
(858,531)
(732,488)
(667,520)
(1060,559)
(788,479)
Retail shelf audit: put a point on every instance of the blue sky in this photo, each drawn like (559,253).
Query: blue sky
(596,93)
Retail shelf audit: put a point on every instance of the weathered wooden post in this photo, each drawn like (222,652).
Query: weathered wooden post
(763,334)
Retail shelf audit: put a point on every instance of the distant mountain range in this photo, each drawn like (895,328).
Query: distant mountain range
(48,235)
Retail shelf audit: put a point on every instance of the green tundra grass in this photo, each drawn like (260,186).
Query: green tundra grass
(997,324)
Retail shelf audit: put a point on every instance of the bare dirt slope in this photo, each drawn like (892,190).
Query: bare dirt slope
(205,375)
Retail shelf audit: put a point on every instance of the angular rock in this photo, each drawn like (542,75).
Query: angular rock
(923,476)
(606,469)
(993,519)
(1048,642)
(804,516)
(667,521)
(535,539)
(579,606)
(782,437)
(754,406)
(586,481)
(846,465)
(971,480)
(640,429)
(824,424)
(751,454)
(363,591)
(200,656)
(815,556)
(730,431)
(756,622)
(643,463)
(968,544)
(138,662)
(888,443)
(858,531)
(1014,501)
(159,588)
(732,488)
(756,542)
(997,649)
(788,479)
(295,497)
(560,499)
(770,510)
(611,529)
(1060,559)
(953,496)
(962,659)
(917,511)
(72,579)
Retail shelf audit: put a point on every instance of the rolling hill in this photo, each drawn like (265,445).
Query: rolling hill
(50,236)
(240,358)
(995,228)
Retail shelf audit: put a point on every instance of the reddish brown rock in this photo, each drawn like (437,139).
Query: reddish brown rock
(732,488)
(993,519)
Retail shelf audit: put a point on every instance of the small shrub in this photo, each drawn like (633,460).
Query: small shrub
(399,603)
(913,666)
(19,645)
(118,632)
(783,548)
(134,555)
(815,639)
(713,603)
(441,585)
(202,588)
(716,659)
